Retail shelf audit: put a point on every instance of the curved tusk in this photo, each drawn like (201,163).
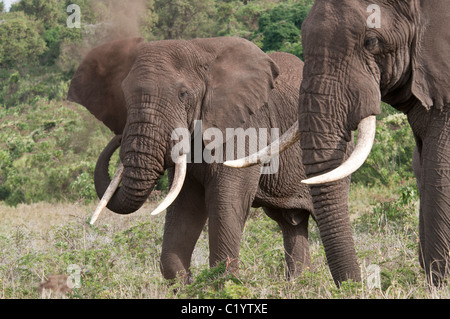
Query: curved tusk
(108,193)
(366,136)
(177,184)
(290,137)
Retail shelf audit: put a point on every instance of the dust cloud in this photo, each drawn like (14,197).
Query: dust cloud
(119,19)
(114,20)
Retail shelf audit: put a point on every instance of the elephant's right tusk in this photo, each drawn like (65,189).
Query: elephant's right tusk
(108,193)
(177,184)
(290,137)
(366,137)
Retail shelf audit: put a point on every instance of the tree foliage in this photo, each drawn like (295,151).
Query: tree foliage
(281,27)
(20,39)
(179,19)
(48,12)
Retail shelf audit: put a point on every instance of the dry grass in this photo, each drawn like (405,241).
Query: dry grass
(119,258)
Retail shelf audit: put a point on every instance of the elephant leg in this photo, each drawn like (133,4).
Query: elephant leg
(185,220)
(435,198)
(294,226)
(229,200)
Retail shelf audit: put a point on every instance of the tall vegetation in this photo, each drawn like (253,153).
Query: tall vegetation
(48,146)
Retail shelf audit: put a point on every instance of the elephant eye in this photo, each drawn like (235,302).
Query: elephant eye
(183,95)
(370,43)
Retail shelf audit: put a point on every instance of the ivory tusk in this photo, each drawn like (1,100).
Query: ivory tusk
(108,193)
(366,137)
(290,137)
(177,184)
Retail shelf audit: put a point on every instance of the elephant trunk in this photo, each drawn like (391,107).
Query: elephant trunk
(332,217)
(106,188)
(121,200)
(324,149)
(142,154)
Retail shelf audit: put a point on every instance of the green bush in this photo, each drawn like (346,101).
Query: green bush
(390,160)
(398,215)
(49,12)
(48,152)
(30,85)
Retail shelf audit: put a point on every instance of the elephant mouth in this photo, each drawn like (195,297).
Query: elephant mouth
(366,137)
(177,184)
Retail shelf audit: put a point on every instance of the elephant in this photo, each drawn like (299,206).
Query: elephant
(357,54)
(144,91)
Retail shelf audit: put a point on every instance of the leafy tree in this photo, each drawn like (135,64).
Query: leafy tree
(239,18)
(280,27)
(20,40)
(275,34)
(180,19)
(49,12)
(52,16)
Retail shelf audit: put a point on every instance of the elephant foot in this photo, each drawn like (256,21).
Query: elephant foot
(182,278)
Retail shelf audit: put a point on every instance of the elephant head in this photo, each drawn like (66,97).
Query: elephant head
(357,54)
(144,91)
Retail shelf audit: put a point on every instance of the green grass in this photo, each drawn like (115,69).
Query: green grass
(119,257)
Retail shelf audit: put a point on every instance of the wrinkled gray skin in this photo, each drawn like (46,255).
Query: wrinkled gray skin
(349,69)
(143,91)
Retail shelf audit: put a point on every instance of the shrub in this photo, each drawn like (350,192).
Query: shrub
(49,152)
(30,85)
(398,215)
(390,160)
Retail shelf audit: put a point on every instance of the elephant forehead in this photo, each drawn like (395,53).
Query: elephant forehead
(172,55)
(340,22)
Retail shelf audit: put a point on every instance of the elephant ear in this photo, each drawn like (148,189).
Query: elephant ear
(239,80)
(431,55)
(97,81)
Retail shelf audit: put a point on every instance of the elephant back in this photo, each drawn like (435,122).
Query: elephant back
(291,68)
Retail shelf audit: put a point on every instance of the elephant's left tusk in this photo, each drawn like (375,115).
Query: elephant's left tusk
(108,193)
(290,137)
(177,184)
